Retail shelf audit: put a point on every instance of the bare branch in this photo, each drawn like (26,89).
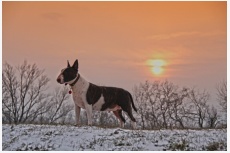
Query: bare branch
(222,95)
(23,86)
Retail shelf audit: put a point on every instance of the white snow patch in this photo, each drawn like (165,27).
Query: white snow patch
(70,138)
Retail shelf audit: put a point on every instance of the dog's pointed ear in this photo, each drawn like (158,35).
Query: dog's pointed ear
(68,65)
(75,65)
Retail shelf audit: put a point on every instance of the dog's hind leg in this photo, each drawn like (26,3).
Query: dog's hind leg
(118,114)
(128,112)
(133,120)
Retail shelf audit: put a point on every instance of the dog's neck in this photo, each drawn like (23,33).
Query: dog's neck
(75,81)
(80,85)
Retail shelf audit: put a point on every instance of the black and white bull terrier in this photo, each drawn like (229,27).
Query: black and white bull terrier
(100,98)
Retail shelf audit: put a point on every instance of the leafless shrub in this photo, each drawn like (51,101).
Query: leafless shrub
(25,98)
(59,105)
(23,92)
(160,104)
(200,107)
(222,95)
(166,105)
(212,117)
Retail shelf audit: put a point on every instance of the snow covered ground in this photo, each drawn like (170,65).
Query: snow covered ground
(51,137)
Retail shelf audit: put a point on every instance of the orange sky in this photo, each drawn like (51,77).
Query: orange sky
(113,40)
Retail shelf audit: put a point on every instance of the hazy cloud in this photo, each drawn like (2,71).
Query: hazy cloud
(52,16)
(184,34)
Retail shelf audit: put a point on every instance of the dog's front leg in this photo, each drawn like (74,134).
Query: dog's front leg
(77,114)
(89,110)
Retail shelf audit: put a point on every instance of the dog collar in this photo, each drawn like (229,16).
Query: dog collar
(72,84)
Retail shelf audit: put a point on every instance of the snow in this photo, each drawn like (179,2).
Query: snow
(71,138)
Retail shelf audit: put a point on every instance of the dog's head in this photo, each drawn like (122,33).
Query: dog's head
(69,74)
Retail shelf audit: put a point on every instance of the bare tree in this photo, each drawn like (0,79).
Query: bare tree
(59,105)
(222,95)
(200,106)
(165,105)
(212,118)
(153,96)
(160,104)
(141,101)
(145,96)
(23,92)
(177,109)
(25,98)
(167,91)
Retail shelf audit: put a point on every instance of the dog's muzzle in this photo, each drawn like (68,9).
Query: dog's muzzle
(59,81)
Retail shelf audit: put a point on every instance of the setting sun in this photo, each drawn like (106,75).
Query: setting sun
(157,66)
(157,70)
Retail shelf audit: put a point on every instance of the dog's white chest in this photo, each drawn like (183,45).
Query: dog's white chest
(79,93)
(78,99)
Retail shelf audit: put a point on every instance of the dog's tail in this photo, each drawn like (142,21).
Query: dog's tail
(132,102)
